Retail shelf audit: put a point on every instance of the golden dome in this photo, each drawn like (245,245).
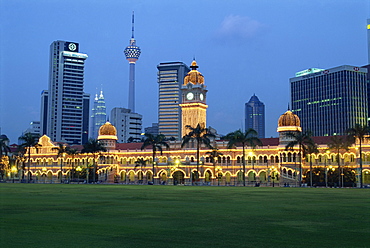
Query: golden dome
(289,119)
(194,76)
(107,129)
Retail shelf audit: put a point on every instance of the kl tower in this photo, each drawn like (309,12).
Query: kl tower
(132,53)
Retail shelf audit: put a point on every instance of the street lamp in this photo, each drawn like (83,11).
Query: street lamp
(14,171)
(78,169)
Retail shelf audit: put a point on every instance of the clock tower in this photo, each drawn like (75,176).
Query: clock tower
(193,106)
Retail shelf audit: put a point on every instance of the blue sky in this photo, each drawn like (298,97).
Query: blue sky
(242,48)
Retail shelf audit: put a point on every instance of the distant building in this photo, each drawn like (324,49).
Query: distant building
(170,79)
(153,129)
(128,125)
(65,107)
(368,40)
(98,116)
(255,116)
(330,101)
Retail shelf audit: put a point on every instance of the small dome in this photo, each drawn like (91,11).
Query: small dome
(194,76)
(289,119)
(107,129)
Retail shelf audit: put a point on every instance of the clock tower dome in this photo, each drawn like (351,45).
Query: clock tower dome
(193,106)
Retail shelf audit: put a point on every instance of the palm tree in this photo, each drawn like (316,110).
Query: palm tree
(62,150)
(201,135)
(72,152)
(156,141)
(339,144)
(359,132)
(303,140)
(30,140)
(4,149)
(214,155)
(93,146)
(311,149)
(247,138)
(140,162)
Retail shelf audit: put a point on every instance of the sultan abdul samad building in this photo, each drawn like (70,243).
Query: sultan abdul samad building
(267,165)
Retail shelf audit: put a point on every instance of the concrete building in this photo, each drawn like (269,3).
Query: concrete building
(255,116)
(128,125)
(153,129)
(98,116)
(170,79)
(132,53)
(66,114)
(330,101)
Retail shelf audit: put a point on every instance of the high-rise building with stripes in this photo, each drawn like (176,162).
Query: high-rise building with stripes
(255,116)
(170,79)
(65,105)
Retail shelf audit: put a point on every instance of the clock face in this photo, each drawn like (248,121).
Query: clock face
(201,96)
(190,96)
(72,46)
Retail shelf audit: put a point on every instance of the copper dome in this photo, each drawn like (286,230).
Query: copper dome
(289,119)
(107,129)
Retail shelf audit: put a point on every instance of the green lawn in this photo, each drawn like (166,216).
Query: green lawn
(53,215)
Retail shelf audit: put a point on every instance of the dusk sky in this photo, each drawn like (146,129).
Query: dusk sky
(242,48)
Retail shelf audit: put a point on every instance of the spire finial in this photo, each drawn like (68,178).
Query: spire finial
(288,107)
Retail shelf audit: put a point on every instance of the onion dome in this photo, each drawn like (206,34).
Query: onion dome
(194,76)
(107,131)
(289,122)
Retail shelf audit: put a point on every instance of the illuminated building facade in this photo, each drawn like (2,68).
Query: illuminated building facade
(331,101)
(66,114)
(194,95)
(132,53)
(170,79)
(255,116)
(368,39)
(128,124)
(268,165)
(99,115)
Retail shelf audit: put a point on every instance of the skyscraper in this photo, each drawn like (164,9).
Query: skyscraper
(132,53)
(255,116)
(67,111)
(330,101)
(170,79)
(128,124)
(99,115)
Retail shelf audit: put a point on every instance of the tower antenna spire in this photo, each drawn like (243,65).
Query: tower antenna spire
(133,22)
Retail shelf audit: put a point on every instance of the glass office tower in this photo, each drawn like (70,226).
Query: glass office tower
(330,101)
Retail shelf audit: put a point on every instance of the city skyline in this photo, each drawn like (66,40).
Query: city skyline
(243,48)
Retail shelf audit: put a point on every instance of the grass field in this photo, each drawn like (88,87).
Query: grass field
(53,215)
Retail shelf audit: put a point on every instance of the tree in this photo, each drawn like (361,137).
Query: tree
(156,142)
(93,146)
(72,152)
(214,155)
(359,132)
(338,144)
(30,140)
(304,141)
(140,162)
(247,138)
(62,150)
(4,149)
(311,149)
(201,135)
